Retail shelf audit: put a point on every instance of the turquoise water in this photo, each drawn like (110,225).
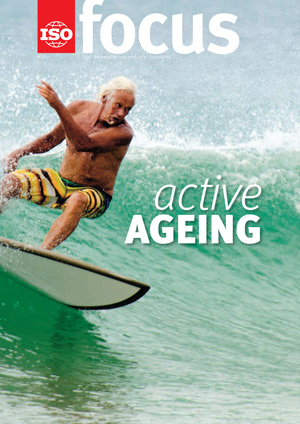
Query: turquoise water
(216,339)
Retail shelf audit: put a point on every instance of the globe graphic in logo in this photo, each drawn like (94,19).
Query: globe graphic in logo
(57,43)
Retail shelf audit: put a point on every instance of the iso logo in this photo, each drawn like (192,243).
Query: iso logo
(56,34)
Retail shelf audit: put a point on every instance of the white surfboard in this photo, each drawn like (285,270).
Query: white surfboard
(69,281)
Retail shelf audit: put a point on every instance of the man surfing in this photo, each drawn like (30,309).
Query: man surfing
(97,139)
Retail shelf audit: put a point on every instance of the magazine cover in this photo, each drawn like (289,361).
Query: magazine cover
(158,141)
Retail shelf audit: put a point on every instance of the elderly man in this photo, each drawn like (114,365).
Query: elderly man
(97,139)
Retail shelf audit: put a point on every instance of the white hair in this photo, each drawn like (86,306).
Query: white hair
(118,83)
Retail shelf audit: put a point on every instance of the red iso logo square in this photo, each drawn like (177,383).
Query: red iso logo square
(56,26)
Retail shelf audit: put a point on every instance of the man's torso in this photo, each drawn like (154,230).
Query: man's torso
(91,168)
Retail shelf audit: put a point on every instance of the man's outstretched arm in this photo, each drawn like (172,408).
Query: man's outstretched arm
(39,145)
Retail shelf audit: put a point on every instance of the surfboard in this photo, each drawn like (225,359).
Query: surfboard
(69,281)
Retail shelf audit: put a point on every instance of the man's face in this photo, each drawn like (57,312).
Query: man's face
(116,106)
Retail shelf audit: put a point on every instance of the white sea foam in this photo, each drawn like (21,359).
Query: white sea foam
(275,140)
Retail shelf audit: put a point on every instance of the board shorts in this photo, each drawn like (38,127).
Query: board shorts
(45,187)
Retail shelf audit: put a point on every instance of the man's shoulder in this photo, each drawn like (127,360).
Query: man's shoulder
(119,135)
(124,130)
(127,127)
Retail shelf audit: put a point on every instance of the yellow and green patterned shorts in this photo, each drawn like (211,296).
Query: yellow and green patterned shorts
(46,187)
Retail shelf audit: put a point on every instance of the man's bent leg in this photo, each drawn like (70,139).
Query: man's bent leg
(66,223)
(10,188)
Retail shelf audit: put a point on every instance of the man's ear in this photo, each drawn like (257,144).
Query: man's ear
(103,99)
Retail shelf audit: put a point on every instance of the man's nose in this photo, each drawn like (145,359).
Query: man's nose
(121,113)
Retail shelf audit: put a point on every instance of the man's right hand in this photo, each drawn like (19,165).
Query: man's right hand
(46,91)
(10,162)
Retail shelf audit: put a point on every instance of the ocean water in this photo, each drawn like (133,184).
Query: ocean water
(216,339)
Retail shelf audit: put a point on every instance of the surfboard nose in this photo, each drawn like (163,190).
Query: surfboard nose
(72,282)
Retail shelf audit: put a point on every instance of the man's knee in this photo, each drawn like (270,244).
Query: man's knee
(10,186)
(78,201)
